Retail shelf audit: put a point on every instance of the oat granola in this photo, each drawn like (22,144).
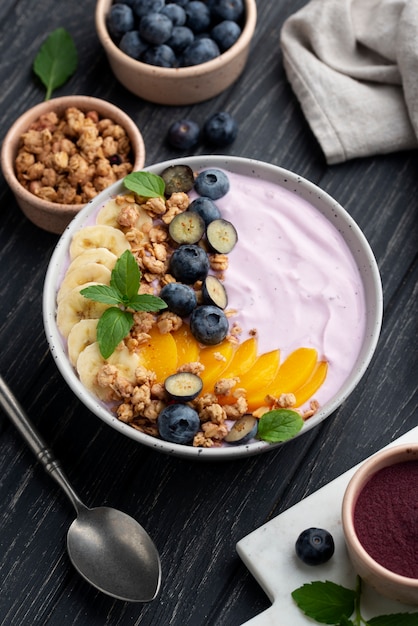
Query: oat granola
(69,159)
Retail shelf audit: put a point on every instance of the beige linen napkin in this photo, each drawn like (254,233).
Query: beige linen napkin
(353,65)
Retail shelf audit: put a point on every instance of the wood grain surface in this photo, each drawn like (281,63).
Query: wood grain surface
(195,512)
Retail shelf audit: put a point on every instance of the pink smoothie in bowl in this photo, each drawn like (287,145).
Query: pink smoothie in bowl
(301,275)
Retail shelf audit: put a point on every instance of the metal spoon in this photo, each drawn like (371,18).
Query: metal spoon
(107,547)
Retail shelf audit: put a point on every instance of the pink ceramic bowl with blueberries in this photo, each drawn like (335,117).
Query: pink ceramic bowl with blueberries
(260,356)
(177,85)
(379,516)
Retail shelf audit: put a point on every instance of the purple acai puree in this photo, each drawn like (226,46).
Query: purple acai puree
(292,278)
(386,518)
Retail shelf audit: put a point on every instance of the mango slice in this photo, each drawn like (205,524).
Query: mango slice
(159,354)
(293,372)
(311,386)
(244,358)
(256,379)
(187,346)
(215,359)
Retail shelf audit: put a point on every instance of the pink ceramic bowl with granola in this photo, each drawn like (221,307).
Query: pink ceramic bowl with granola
(265,363)
(51,176)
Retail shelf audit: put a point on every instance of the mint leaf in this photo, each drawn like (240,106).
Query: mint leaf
(145,184)
(102,293)
(146,302)
(395,619)
(344,621)
(126,276)
(113,326)
(279,425)
(56,60)
(326,602)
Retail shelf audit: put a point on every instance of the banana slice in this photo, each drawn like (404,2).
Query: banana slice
(81,335)
(89,273)
(74,307)
(90,361)
(99,236)
(94,255)
(109,213)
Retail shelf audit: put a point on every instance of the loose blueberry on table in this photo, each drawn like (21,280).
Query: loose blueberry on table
(315,546)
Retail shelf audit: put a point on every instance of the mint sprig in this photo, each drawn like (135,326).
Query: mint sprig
(279,425)
(122,294)
(145,184)
(329,603)
(56,60)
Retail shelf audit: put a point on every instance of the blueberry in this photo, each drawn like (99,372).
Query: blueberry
(189,263)
(178,423)
(183,134)
(243,430)
(156,28)
(181,37)
(198,16)
(209,324)
(212,183)
(163,56)
(225,34)
(144,7)
(176,13)
(120,20)
(180,299)
(220,129)
(314,546)
(228,9)
(200,51)
(132,44)
(177,178)
(206,208)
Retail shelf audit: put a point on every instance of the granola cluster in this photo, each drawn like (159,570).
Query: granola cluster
(139,402)
(69,159)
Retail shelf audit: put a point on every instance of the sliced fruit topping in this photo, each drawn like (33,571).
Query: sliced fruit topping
(81,335)
(209,324)
(244,358)
(311,386)
(222,236)
(215,360)
(187,346)
(99,236)
(177,178)
(159,354)
(242,430)
(187,227)
(183,386)
(294,371)
(213,292)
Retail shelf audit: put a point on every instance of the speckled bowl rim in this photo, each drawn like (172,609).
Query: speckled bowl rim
(22,123)
(384,458)
(180,72)
(329,207)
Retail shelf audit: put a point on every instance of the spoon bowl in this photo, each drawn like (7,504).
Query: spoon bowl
(107,547)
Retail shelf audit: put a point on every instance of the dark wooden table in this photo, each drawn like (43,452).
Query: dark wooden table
(195,512)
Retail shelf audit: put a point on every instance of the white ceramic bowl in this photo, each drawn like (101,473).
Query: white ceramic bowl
(349,230)
(179,85)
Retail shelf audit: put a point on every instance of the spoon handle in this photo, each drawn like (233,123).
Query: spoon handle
(43,453)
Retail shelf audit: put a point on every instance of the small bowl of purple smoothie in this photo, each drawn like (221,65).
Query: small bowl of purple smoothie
(380,522)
